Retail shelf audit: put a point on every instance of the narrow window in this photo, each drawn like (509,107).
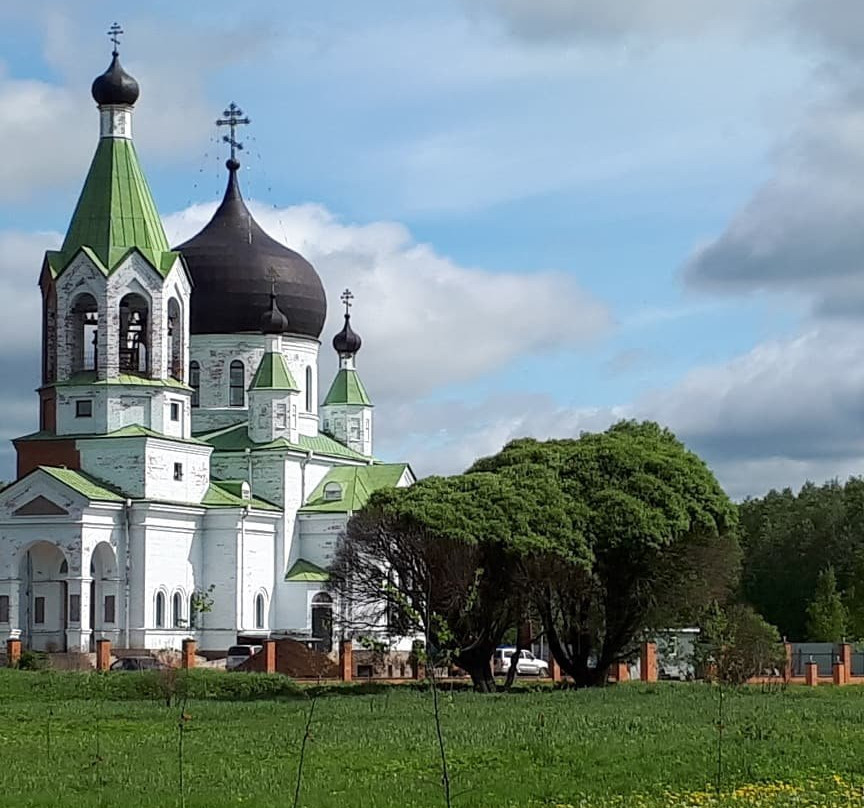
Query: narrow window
(259,611)
(195,383)
(193,613)
(83,408)
(281,416)
(39,610)
(110,609)
(160,610)
(177,609)
(4,608)
(178,471)
(74,608)
(175,411)
(237,384)
(308,388)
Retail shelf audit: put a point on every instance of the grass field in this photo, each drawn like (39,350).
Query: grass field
(65,742)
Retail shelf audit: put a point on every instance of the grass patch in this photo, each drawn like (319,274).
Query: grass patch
(82,740)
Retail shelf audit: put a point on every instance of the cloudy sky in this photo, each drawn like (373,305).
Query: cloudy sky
(553,214)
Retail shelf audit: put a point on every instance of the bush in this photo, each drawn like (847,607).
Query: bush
(737,643)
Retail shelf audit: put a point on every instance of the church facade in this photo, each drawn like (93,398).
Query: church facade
(187,477)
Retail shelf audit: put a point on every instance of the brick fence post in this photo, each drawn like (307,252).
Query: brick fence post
(788,666)
(103,655)
(839,671)
(811,674)
(555,670)
(846,659)
(187,658)
(346,661)
(13,652)
(269,652)
(621,672)
(648,662)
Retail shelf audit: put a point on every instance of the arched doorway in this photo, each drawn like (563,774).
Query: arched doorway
(43,597)
(105,590)
(322,621)
(134,344)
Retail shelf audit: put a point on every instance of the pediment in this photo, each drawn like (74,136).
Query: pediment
(40,506)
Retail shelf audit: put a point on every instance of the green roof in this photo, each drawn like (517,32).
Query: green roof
(347,389)
(236,439)
(115,214)
(357,484)
(89,378)
(273,374)
(84,484)
(138,431)
(227,494)
(303,571)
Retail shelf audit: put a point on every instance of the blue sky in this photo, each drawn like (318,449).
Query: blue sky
(553,214)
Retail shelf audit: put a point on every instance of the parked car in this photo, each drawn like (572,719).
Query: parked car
(143,663)
(238,654)
(527,665)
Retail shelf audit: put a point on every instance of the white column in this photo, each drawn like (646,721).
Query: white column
(78,628)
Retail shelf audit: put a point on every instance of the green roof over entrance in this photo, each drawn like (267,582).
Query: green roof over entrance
(305,572)
(273,374)
(347,389)
(115,214)
(348,488)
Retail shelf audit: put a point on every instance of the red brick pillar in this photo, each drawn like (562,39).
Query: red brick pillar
(346,661)
(788,667)
(13,652)
(187,658)
(811,674)
(555,670)
(648,662)
(839,673)
(846,659)
(269,652)
(103,655)
(621,672)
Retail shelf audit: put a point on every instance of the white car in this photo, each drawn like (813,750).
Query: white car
(528,664)
(238,654)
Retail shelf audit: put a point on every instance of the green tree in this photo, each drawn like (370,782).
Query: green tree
(440,559)
(826,614)
(646,539)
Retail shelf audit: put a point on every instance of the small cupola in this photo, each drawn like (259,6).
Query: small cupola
(347,342)
(273,321)
(115,87)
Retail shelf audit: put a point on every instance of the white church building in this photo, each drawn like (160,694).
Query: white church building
(187,480)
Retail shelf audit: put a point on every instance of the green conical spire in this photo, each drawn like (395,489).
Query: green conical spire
(115,212)
(273,374)
(347,389)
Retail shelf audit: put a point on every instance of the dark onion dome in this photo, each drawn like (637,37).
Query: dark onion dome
(115,86)
(234,265)
(273,321)
(347,341)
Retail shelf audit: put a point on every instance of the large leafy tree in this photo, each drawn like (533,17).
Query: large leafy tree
(826,614)
(649,539)
(440,558)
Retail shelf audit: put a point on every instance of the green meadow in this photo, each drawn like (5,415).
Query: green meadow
(111,740)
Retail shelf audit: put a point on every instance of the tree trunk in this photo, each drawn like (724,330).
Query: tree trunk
(477,663)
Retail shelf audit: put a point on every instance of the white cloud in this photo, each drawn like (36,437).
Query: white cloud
(426,322)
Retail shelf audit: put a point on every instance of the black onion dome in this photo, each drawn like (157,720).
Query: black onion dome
(115,86)
(234,265)
(273,321)
(347,341)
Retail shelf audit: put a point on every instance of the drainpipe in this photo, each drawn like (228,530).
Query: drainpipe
(241,566)
(248,453)
(127,507)
(303,463)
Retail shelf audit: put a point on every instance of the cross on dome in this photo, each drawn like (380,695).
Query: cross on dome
(233,117)
(346,298)
(114,34)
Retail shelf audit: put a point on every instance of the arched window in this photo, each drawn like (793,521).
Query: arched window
(195,382)
(175,340)
(308,388)
(177,610)
(84,323)
(259,611)
(134,355)
(160,610)
(322,621)
(237,384)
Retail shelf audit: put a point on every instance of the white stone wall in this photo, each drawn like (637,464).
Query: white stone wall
(272,414)
(319,535)
(350,424)
(144,467)
(214,354)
